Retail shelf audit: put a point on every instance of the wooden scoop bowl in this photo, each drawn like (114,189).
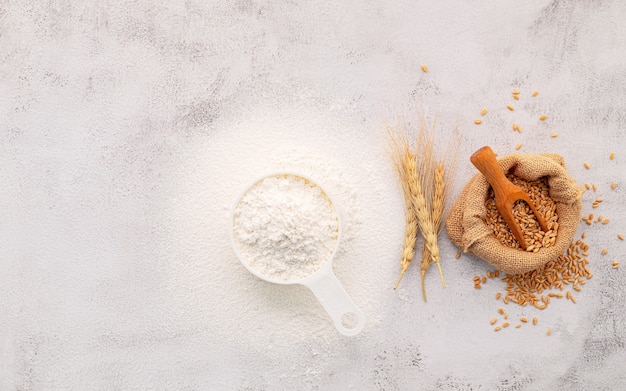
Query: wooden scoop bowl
(506,193)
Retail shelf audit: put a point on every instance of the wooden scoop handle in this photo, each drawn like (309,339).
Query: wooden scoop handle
(485,161)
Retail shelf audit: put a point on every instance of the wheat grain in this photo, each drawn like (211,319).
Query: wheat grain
(538,191)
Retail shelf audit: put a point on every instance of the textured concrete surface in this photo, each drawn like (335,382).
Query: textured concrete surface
(127,130)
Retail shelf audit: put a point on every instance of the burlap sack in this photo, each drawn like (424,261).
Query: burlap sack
(468,230)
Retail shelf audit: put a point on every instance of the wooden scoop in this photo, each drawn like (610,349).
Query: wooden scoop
(506,192)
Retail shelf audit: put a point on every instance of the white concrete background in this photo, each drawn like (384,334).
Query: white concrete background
(127,129)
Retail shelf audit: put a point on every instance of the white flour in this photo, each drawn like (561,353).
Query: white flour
(285,228)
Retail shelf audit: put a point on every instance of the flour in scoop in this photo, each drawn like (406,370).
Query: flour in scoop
(285,228)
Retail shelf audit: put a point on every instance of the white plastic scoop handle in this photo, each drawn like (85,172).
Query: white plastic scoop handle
(347,317)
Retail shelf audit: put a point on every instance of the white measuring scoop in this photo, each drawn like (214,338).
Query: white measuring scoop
(346,316)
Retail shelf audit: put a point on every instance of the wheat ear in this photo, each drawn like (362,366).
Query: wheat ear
(400,150)
(437,206)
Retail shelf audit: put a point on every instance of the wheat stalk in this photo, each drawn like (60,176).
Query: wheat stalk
(425,264)
(400,149)
(437,207)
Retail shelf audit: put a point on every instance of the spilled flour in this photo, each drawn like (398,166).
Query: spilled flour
(285,227)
